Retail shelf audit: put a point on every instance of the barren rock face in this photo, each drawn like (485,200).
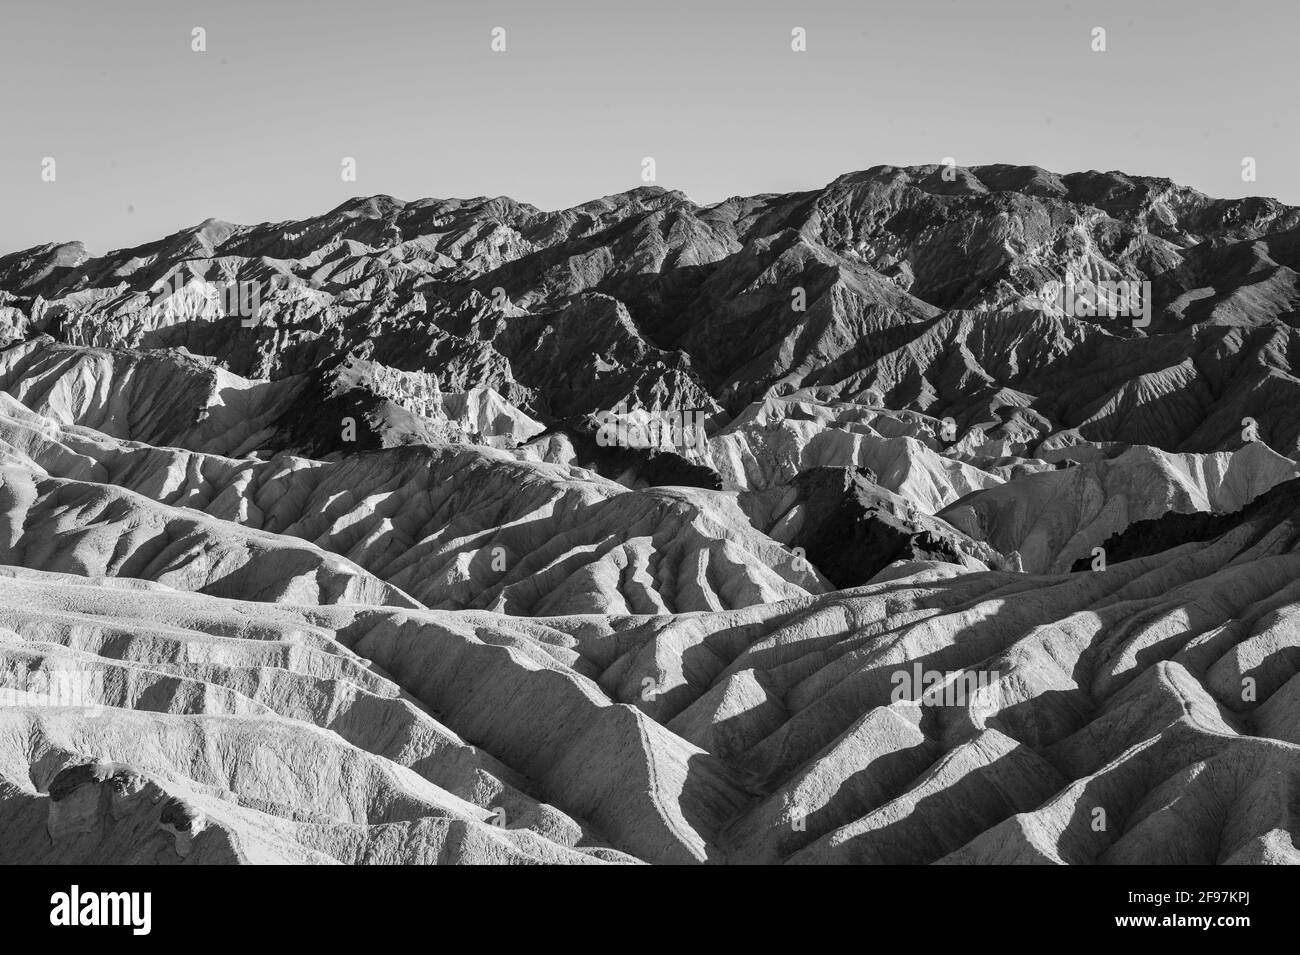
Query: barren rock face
(799,528)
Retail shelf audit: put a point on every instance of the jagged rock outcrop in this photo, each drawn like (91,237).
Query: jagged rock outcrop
(850,528)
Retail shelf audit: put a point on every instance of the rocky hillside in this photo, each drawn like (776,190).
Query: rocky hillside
(823,527)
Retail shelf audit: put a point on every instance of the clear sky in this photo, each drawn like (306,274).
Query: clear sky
(150,137)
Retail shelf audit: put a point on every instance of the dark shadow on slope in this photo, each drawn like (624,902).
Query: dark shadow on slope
(1144,538)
